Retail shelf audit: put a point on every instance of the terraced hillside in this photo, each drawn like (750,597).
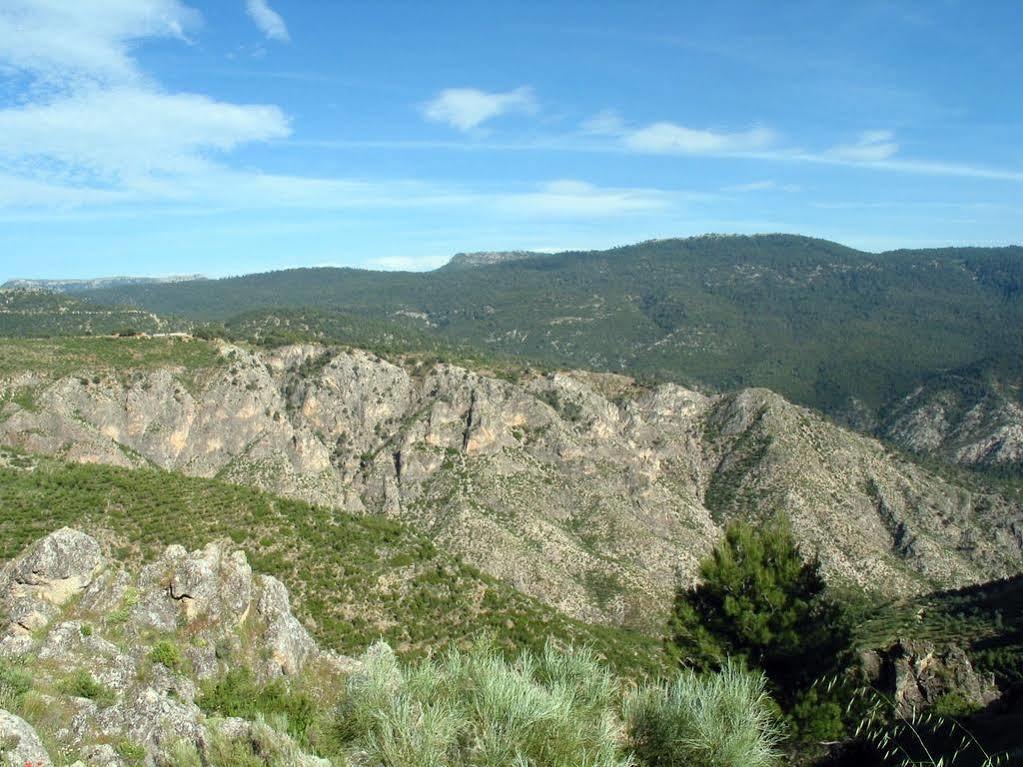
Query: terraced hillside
(36,313)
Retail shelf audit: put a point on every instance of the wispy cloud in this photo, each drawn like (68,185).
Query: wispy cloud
(871,146)
(767,185)
(86,133)
(468,108)
(571,198)
(606,122)
(671,138)
(92,129)
(268,20)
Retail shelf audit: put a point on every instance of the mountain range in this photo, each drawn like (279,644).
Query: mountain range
(862,337)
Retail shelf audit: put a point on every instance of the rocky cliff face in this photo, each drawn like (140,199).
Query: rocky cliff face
(111,662)
(585,490)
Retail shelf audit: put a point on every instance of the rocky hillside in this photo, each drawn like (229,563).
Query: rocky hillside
(971,416)
(488,258)
(102,665)
(353,579)
(585,490)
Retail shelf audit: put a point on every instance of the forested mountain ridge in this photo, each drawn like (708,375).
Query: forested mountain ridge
(820,323)
(77,286)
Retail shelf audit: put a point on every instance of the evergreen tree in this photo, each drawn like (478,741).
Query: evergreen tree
(759,600)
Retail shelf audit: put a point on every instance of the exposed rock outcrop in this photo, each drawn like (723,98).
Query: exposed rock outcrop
(118,657)
(917,674)
(19,743)
(37,584)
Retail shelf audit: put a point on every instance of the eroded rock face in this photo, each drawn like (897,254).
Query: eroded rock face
(972,416)
(584,490)
(916,673)
(144,642)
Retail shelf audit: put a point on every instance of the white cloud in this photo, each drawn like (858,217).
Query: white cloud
(90,128)
(871,146)
(468,108)
(268,20)
(670,138)
(128,131)
(66,42)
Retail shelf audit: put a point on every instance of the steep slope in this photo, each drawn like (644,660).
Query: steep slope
(584,490)
(353,580)
(971,416)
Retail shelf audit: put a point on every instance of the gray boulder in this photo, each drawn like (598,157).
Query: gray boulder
(36,584)
(19,744)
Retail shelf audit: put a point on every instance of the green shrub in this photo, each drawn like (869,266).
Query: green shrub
(760,601)
(723,719)
(81,684)
(238,694)
(263,748)
(14,683)
(954,704)
(166,653)
(133,754)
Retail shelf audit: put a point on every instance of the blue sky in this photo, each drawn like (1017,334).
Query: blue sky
(167,137)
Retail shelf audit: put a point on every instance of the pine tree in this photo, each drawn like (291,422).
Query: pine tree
(759,600)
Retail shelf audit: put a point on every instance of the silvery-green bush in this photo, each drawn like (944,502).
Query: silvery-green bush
(715,719)
(476,708)
(558,709)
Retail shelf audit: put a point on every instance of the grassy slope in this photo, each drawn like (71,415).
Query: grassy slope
(355,578)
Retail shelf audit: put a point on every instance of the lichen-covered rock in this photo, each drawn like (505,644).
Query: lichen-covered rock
(288,642)
(213,585)
(36,584)
(19,743)
(124,662)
